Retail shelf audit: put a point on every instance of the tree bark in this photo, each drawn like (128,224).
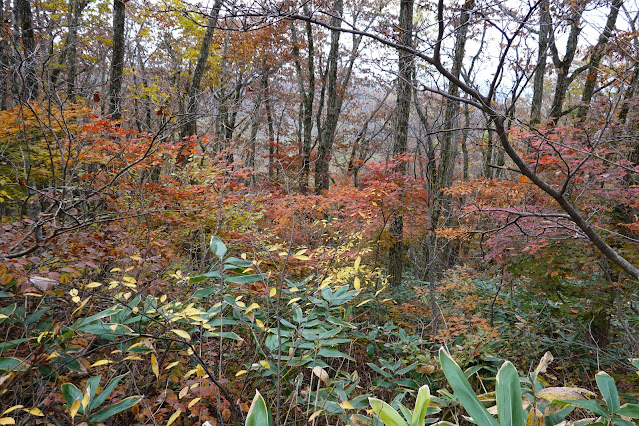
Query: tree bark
(193,92)
(449,142)
(545,27)
(117,61)
(73,17)
(308,97)
(270,127)
(400,142)
(563,65)
(334,104)
(23,11)
(595,58)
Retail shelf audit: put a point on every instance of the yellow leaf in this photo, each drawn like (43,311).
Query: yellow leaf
(86,398)
(265,364)
(183,392)
(171,365)
(293,289)
(314,416)
(200,371)
(133,358)
(74,408)
(7,421)
(240,304)
(357,261)
(15,407)
(193,402)
(163,298)
(293,300)
(101,362)
(357,284)
(363,303)
(554,393)
(301,252)
(54,354)
(129,279)
(183,334)
(347,405)
(154,366)
(240,373)
(190,373)
(115,270)
(272,292)
(260,324)
(94,285)
(251,307)
(174,417)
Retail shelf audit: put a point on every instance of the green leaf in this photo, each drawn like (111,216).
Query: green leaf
(71,393)
(509,408)
(333,353)
(218,247)
(9,364)
(106,392)
(101,329)
(629,410)
(608,390)
(244,279)
(34,317)
(421,406)
(114,409)
(589,405)
(406,369)
(258,414)
(558,417)
(621,422)
(406,413)
(205,292)
(93,384)
(463,392)
(386,413)
(379,370)
(240,263)
(5,346)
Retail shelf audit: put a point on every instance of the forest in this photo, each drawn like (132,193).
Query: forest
(346,212)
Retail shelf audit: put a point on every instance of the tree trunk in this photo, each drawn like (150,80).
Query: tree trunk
(193,92)
(595,58)
(307,102)
(5,65)
(73,17)
(628,95)
(400,142)
(23,11)
(449,143)
(334,104)
(545,26)
(270,127)
(117,61)
(563,66)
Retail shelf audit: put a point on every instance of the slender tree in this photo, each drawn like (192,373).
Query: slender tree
(400,140)
(334,103)
(595,58)
(193,91)
(117,61)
